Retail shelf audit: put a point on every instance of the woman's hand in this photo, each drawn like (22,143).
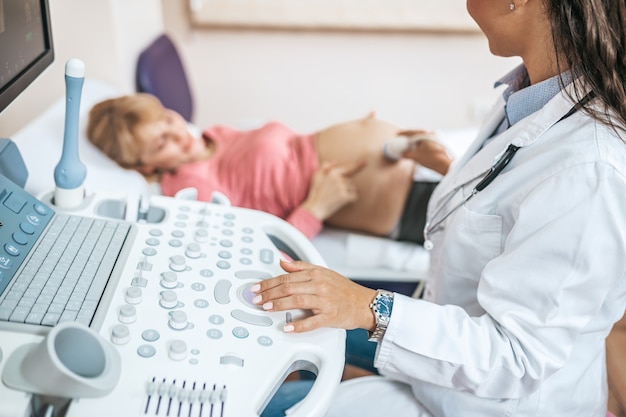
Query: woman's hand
(332,188)
(334,300)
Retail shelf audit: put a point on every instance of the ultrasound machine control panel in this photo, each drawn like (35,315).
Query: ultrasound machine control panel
(170,304)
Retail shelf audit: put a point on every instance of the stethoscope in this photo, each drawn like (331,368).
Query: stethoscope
(434,224)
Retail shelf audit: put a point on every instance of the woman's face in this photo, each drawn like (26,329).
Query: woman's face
(167,143)
(523,31)
(500,24)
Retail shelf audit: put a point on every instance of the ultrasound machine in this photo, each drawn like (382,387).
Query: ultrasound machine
(110,306)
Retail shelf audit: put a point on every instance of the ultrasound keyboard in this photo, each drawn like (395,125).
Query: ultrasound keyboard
(178,310)
(65,276)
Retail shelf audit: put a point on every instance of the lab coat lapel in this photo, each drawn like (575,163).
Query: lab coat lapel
(462,166)
(473,163)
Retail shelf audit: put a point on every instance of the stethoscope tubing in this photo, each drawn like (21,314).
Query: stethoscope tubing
(495,170)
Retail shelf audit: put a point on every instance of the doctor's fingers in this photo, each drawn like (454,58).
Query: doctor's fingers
(339,301)
(420,134)
(323,312)
(296,282)
(301,279)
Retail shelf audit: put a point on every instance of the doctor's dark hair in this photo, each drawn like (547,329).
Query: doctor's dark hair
(590,38)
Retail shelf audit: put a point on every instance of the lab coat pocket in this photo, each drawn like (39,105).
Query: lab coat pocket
(472,240)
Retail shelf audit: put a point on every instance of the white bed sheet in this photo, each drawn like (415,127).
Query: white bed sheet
(354,255)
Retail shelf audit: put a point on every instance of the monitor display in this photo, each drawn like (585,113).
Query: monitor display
(25,45)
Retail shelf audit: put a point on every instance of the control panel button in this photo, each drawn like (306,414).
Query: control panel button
(41,209)
(27,228)
(177,350)
(221,291)
(252,274)
(150,335)
(231,360)
(201,235)
(133,295)
(15,203)
(120,334)
(168,299)
(178,263)
(33,219)
(127,314)
(266,256)
(193,251)
(5,262)
(11,249)
(241,332)
(146,351)
(178,320)
(250,318)
(169,280)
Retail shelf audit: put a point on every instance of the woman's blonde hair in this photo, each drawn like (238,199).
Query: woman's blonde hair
(112,123)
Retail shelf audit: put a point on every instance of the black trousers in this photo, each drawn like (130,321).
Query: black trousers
(413,217)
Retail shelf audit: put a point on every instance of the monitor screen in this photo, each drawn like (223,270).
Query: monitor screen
(25,45)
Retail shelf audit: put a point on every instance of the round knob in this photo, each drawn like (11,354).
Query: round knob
(177,263)
(178,320)
(133,295)
(193,251)
(168,299)
(120,334)
(201,235)
(177,351)
(169,279)
(127,314)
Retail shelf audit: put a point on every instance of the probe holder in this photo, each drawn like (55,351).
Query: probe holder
(72,361)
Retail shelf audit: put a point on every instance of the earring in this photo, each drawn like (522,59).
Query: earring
(512,6)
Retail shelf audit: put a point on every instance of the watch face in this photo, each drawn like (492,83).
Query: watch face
(383,306)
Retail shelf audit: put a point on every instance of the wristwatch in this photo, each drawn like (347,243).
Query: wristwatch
(381,307)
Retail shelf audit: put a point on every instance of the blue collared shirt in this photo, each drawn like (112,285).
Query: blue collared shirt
(523,99)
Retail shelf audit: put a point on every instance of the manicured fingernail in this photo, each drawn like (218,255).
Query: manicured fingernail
(288,328)
(257,299)
(255,287)
(288,261)
(268,306)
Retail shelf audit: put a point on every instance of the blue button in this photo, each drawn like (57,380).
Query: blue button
(240,332)
(20,238)
(33,219)
(5,262)
(11,249)
(27,228)
(41,209)
(15,203)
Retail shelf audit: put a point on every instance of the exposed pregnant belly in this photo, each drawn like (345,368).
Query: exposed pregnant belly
(382,185)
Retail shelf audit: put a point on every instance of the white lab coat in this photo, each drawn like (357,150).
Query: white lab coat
(526,281)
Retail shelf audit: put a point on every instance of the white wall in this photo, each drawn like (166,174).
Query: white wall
(106,34)
(307,79)
(311,79)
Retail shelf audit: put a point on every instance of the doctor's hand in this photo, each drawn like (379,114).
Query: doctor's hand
(427,151)
(332,188)
(334,300)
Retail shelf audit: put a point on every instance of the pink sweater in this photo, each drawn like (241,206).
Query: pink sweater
(267,169)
